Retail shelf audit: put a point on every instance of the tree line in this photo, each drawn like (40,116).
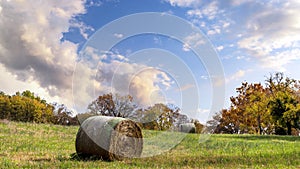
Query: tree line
(27,107)
(270,109)
(156,117)
(273,108)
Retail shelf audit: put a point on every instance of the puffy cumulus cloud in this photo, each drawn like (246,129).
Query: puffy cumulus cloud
(102,72)
(184,3)
(30,43)
(272,34)
(144,83)
(9,84)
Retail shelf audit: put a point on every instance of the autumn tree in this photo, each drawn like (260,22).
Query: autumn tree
(5,106)
(259,117)
(63,115)
(198,126)
(25,107)
(221,123)
(248,113)
(113,105)
(262,110)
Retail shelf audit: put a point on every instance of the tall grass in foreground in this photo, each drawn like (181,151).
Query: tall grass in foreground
(27,145)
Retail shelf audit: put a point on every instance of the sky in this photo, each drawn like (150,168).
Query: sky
(190,53)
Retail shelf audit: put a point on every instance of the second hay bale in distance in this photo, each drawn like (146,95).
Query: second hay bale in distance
(187,128)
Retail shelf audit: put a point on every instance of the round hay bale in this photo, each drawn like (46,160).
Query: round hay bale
(187,128)
(109,138)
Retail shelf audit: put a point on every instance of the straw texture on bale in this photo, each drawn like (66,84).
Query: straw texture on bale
(187,128)
(109,138)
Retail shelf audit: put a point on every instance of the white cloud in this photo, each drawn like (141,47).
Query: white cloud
(94,3)
(214,31)
(280,59)
(203,111)
(219,48)
(118,35)
(31,47)
(186,87)
(186,47)
(83,28)
(204,77)
(239,2)
(157,40)
(209,11)
(118,75)
(236,76)
(267,31)
(271,34)
(217,20)
(36,59)
(226,24)
(193,40)
(240,57)
(184,3)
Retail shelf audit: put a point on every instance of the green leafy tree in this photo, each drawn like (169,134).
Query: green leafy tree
(159,116)
(284,103)
(285,111)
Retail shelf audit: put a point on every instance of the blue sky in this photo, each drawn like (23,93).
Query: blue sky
(48,48)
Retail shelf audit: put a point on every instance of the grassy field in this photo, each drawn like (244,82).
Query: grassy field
(26,145)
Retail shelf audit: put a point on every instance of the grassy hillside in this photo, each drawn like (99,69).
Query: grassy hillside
(26,145)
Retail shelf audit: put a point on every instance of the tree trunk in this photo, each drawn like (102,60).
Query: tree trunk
(289,127)
(259,125)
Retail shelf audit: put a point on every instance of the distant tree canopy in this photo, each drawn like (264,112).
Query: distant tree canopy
(156,117)
(273,109)
(113,105)
(27,107)
(159,117)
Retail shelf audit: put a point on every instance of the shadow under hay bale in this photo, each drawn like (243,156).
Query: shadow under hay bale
(187,128)
(109,138)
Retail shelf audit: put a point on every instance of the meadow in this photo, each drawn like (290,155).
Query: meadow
(29,145)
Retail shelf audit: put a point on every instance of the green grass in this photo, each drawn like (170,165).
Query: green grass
(26,145)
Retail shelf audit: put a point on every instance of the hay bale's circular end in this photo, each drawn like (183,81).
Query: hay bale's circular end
(109,138)
(126,141)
